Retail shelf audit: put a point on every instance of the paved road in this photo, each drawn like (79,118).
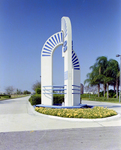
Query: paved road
(100,138)
(22,128)
(114,106)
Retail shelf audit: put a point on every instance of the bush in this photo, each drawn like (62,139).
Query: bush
(38,91)
(101,94)
(98,99)
(88,95)
(26,92)
(112,94)
(104,99)
(5,96)
(34,100)
(58,99)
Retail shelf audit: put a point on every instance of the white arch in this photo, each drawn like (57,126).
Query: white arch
(47,66)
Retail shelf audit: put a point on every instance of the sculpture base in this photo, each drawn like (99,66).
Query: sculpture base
(66,107)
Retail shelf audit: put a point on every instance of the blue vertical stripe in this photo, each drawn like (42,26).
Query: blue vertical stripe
(47,49)
(74,58)
(58,37)
(51,42)
(75,61)
(73,55)
(46,52)
(61,37)
(48,46)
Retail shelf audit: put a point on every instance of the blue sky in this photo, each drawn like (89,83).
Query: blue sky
(25,25)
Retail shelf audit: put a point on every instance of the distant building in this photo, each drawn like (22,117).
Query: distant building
(88,93)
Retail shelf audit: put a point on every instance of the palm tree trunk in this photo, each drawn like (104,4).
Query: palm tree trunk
(98,90)
(114,88)
(104,86)
(107,90)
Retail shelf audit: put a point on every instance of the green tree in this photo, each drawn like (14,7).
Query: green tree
(104,72)
(18,92)
(112,72)
(93,78)
(26,92)
(38,91)
(36,85)
(9,90)
(102,64)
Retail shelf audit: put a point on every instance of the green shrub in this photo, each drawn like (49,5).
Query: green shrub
(58,99)
(88,95)
(38,91)
(98,99)
(5,96)
(104,99)
(26,92)
(112,94)
(34,100)
(101,94)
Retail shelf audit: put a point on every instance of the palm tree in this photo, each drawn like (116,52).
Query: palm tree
(102,63)
(93,77)
(114,66)
(111,75)
(104,72)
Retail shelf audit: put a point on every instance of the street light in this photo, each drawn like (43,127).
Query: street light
(120,77)
(40,79)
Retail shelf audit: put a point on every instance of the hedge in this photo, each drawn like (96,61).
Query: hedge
(58,99)
(36,99)
(5,96)
(89,95)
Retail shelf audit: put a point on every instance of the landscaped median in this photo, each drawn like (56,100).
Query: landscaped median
(89,113)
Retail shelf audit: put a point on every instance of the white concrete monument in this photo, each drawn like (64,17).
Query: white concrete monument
(71,86)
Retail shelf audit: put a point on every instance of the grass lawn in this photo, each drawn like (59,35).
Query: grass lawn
(102,99)
(12,97)
(18,96)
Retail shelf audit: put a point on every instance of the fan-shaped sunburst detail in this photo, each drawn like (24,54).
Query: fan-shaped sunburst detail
(53,41)
(75,61)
